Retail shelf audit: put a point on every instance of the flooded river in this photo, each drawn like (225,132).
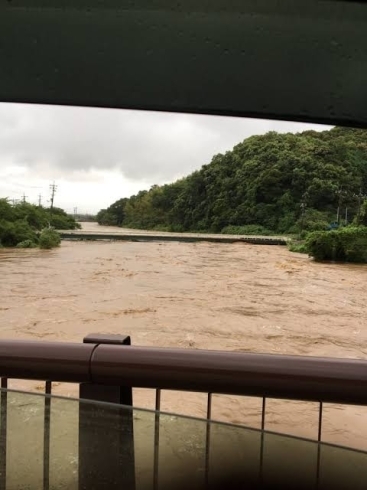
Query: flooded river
(236,297)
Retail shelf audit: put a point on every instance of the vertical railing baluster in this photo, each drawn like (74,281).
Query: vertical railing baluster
(262,439)
(263,414)
(156,438)
(209,407)
(319,436)
(157,400)
(207,441)
(46,436)
(319,432)
(3,432)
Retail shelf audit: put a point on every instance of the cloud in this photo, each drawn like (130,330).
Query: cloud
(75,145)
(141,145)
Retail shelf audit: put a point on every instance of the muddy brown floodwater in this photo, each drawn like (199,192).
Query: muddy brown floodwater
(236,297)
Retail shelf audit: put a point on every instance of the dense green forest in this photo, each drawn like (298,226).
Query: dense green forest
(275,183)
(27,225)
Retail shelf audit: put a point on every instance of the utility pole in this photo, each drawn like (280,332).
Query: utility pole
(24,197)
(340,195)
(360,197)
(75,212)
(39,200)
(53,189)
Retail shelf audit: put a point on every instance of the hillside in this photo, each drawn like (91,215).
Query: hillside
(279,183)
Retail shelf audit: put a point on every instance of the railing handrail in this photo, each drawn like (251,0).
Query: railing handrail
(56,361)
(269,375)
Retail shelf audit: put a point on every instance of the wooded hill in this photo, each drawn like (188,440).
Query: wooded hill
(275,183)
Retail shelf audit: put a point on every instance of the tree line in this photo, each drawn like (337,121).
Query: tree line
(273,183)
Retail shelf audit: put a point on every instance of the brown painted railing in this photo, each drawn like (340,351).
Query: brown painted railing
(108,367)
(110,361)
(289,377)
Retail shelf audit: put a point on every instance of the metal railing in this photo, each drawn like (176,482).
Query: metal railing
(108,367)
(100,361)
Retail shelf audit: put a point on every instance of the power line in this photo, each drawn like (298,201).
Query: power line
(24,197)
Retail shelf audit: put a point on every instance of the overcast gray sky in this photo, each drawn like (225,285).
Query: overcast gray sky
(96,156)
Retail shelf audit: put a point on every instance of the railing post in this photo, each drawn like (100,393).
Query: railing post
(106,439)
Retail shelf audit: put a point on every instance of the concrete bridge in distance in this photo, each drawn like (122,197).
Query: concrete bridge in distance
(149,236)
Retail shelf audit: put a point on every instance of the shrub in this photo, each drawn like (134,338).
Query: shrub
(293,230)
(246,230)
(26,244)
(176,228)
(347,244)
(162,228)
(313,220)
(298,247)
(61,222)
(22,222)
(7,233)
(49,238)
(11,233)
(321,245)
(286,224)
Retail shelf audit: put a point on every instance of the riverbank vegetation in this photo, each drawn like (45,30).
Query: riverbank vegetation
(290,184)
(25,225)
(49,238)
(348,244)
